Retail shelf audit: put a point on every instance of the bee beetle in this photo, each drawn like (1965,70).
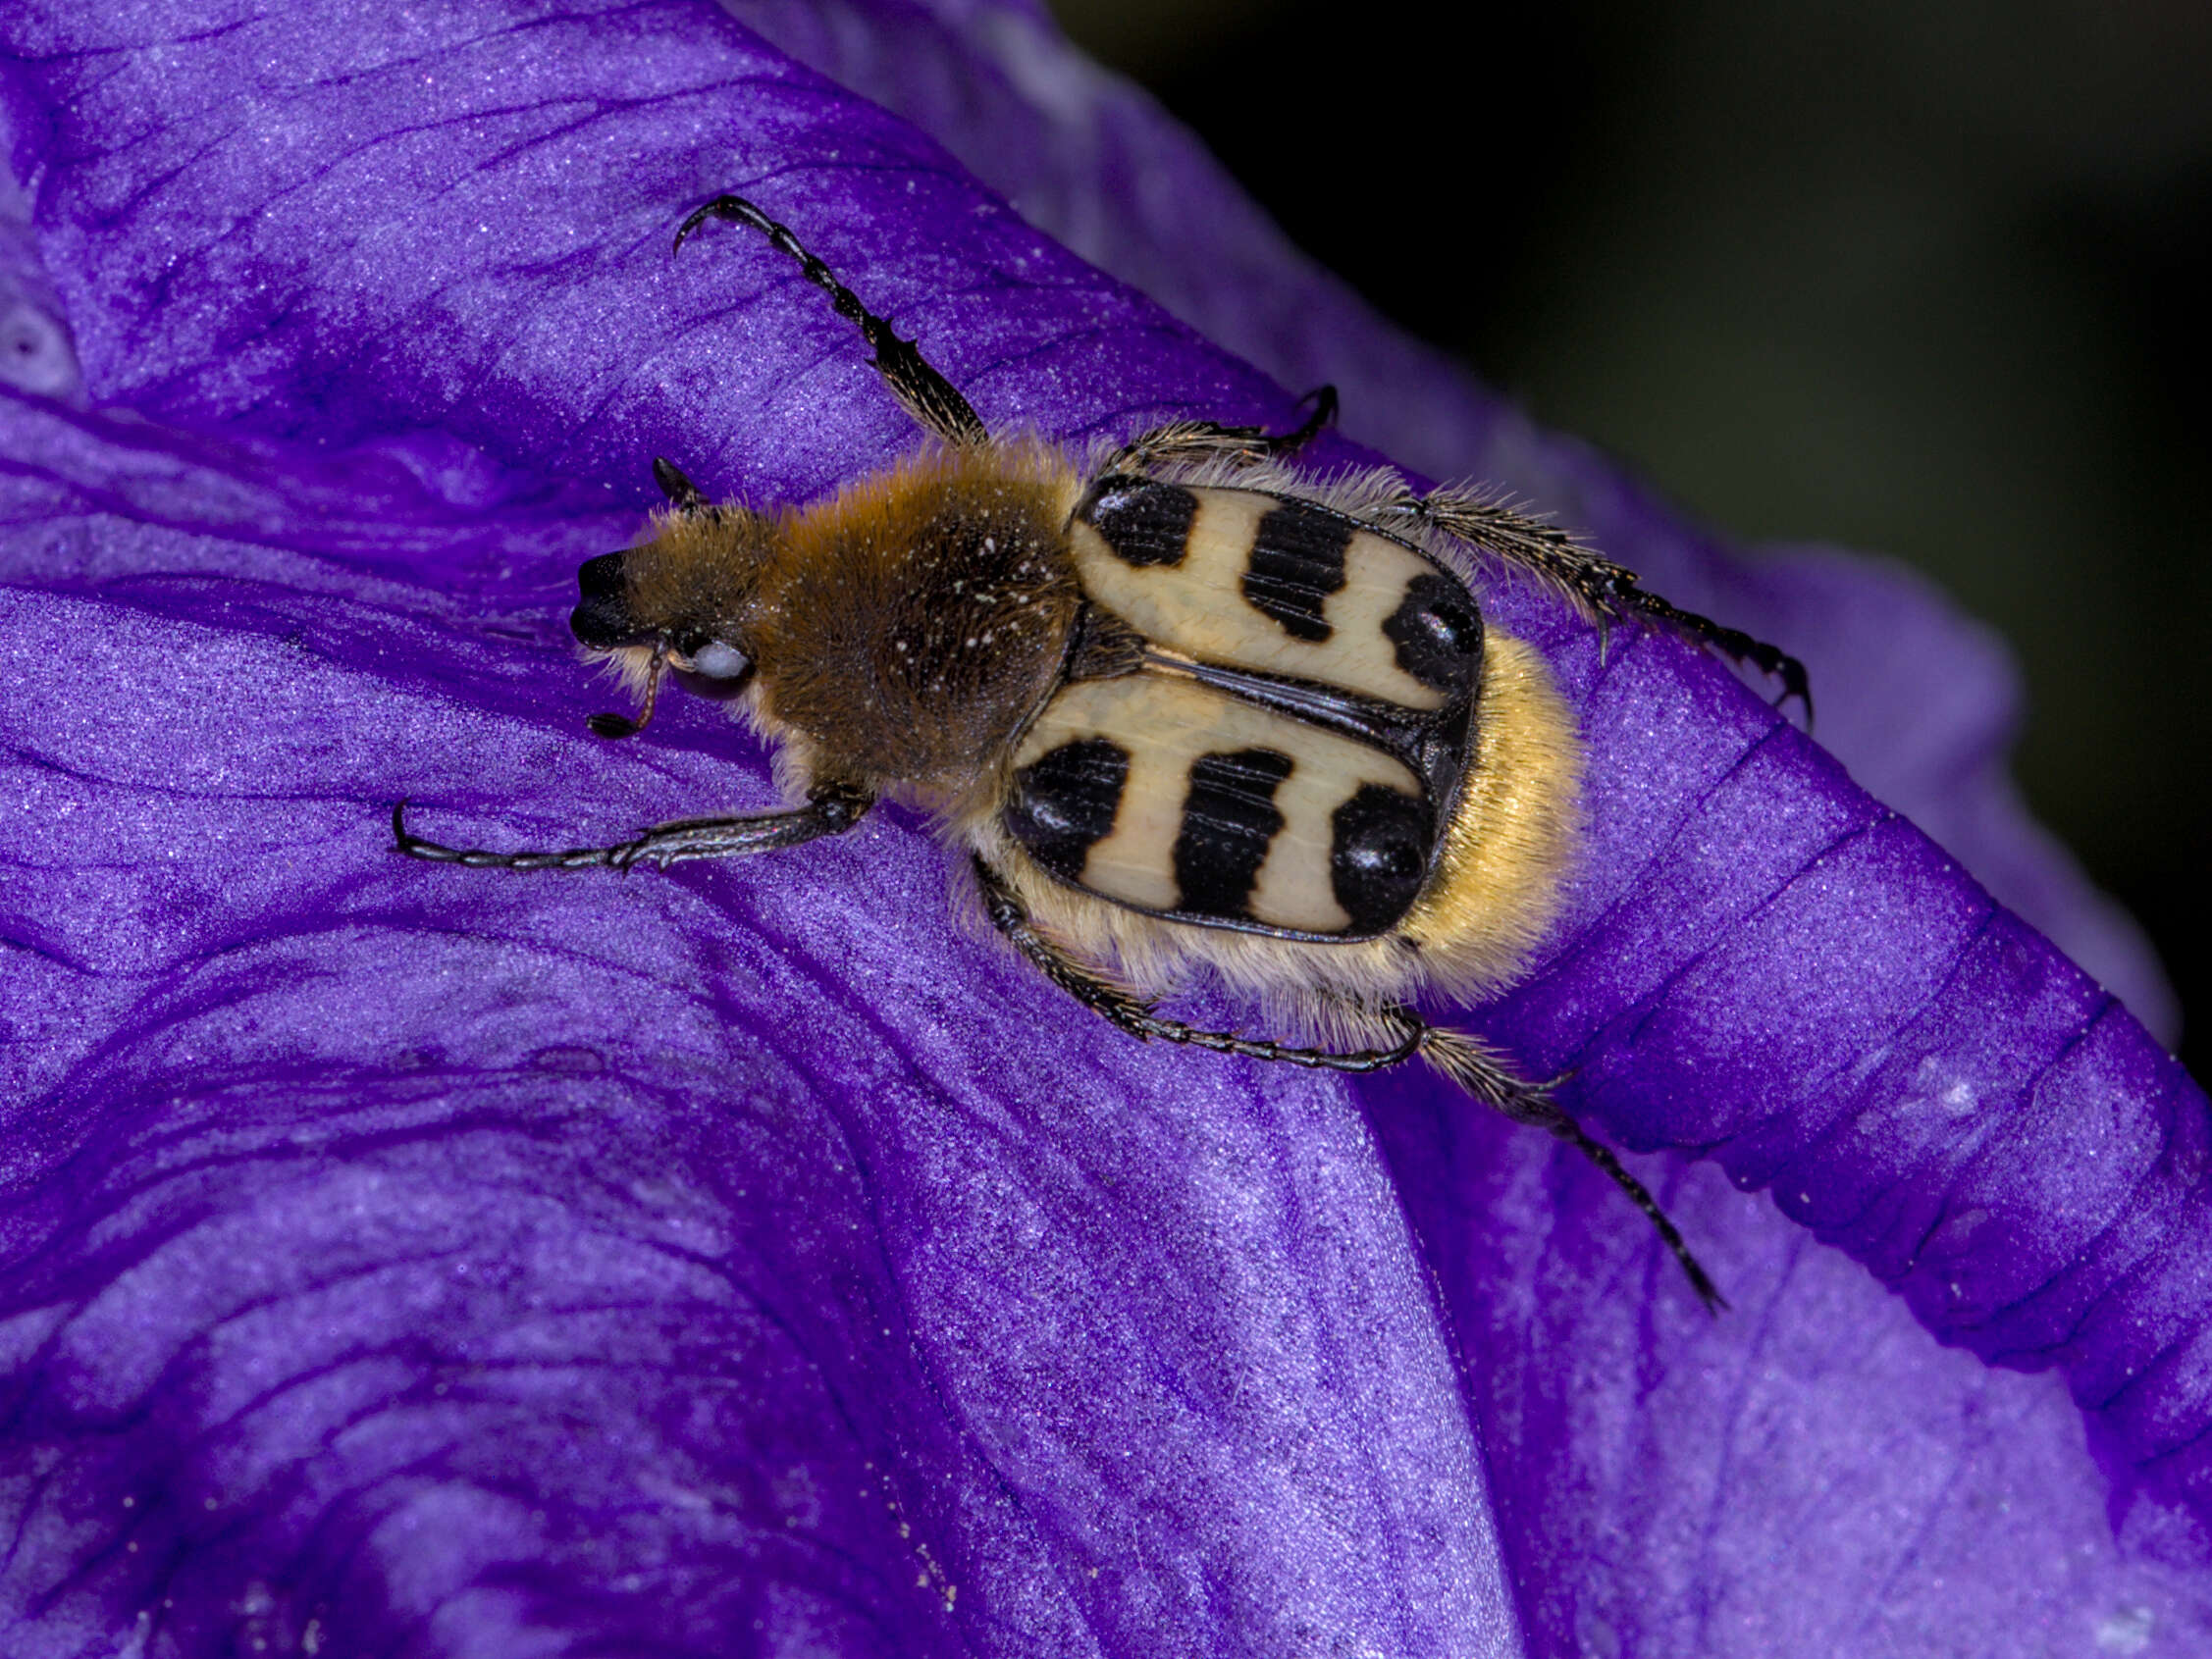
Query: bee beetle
(1183,708)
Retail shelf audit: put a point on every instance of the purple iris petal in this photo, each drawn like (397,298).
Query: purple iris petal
(750,1259)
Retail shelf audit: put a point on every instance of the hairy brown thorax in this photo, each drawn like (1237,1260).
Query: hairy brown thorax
(909,627)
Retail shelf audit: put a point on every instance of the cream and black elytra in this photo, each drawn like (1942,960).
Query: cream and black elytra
(1183,708)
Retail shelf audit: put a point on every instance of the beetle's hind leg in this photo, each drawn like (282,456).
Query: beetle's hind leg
(1606,591)
(1479,1070)
(925,394)
(1485,1073)
(1400,1033)
(1190,442)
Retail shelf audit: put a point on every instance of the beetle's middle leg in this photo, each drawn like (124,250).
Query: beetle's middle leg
(1604,591)
(1187,442)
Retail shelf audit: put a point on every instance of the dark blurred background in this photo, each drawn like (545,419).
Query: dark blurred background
(1923,277)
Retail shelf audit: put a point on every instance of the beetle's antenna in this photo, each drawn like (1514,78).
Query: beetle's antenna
(621,725)
(683,494)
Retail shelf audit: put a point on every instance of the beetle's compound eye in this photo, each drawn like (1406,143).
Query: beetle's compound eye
(719,659)
(603,620)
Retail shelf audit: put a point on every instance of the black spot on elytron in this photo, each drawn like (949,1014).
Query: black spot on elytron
(1064,801)
(1380,855)
(1297,561)
(1144,521)
(1438,633)
(603,620)
(1229,822)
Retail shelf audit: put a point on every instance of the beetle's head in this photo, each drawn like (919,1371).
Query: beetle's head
(675,602)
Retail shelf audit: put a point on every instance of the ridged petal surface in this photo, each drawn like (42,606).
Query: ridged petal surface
(404,1259)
